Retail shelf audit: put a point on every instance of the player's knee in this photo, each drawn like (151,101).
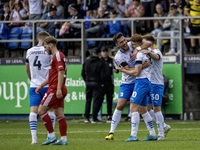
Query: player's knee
(58,114)
(156,109)
(41,111)
(142,111)
(134,107)
(120,107)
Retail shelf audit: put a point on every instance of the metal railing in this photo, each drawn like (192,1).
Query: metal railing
(83,39)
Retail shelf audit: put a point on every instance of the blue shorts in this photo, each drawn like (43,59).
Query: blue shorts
(34,98)
(156,94)
(141,91)
(126,91)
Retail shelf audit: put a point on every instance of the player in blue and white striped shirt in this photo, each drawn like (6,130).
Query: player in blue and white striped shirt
(138,103)
(37,68)
(124,57)
(157,88)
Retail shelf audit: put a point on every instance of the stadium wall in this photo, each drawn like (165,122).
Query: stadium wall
(14,87)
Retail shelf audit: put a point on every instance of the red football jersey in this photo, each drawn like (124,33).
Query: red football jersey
(58,62)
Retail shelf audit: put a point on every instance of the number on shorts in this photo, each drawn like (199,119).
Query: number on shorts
(155,97)
(134,94)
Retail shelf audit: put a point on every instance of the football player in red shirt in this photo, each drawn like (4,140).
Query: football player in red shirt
(54,98)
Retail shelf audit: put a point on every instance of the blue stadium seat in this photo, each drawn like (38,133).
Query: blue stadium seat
(91,44)
(3,31)
(26,35)
(57,33)
(123,29)
(87,23)
(38,30)
(14,34)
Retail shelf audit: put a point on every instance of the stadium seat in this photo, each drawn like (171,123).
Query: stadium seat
(3,31)
(38,30)
(14,34)
(123,29)
(26,35)
(87,23)
(91,44)
(57,33)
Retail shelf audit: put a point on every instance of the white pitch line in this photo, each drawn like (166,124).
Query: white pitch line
(72,132)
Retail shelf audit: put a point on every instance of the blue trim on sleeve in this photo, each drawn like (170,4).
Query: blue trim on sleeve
(39,46)
(137,64)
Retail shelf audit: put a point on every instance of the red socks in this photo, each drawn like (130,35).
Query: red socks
(47,122)
(62,126)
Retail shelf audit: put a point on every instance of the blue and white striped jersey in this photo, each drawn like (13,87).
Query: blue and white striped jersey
(156,69)
(39,61)
(127,57)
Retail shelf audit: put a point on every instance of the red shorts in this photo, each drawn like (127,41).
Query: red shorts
(50,99)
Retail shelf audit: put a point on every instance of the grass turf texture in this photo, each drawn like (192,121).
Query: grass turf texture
(15,135)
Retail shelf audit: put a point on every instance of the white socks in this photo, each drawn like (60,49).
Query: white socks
(149,123)
(115,120)
(51,134)
(64,138)
(160,123)
(155,117)
(135,121)
(152,114)
(33,124)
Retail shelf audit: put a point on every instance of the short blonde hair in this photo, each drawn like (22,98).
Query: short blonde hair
(50,39)
(42,35)
(149,37)
(136,38)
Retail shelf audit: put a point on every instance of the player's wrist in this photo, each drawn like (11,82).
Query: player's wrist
(41,86)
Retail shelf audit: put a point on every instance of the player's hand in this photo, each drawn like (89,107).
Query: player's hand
(59,94)
(115,70)
(144,51)
(121,69)
(38,89)
(146,64)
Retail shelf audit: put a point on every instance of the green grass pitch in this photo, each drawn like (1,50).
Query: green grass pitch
(15,135)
